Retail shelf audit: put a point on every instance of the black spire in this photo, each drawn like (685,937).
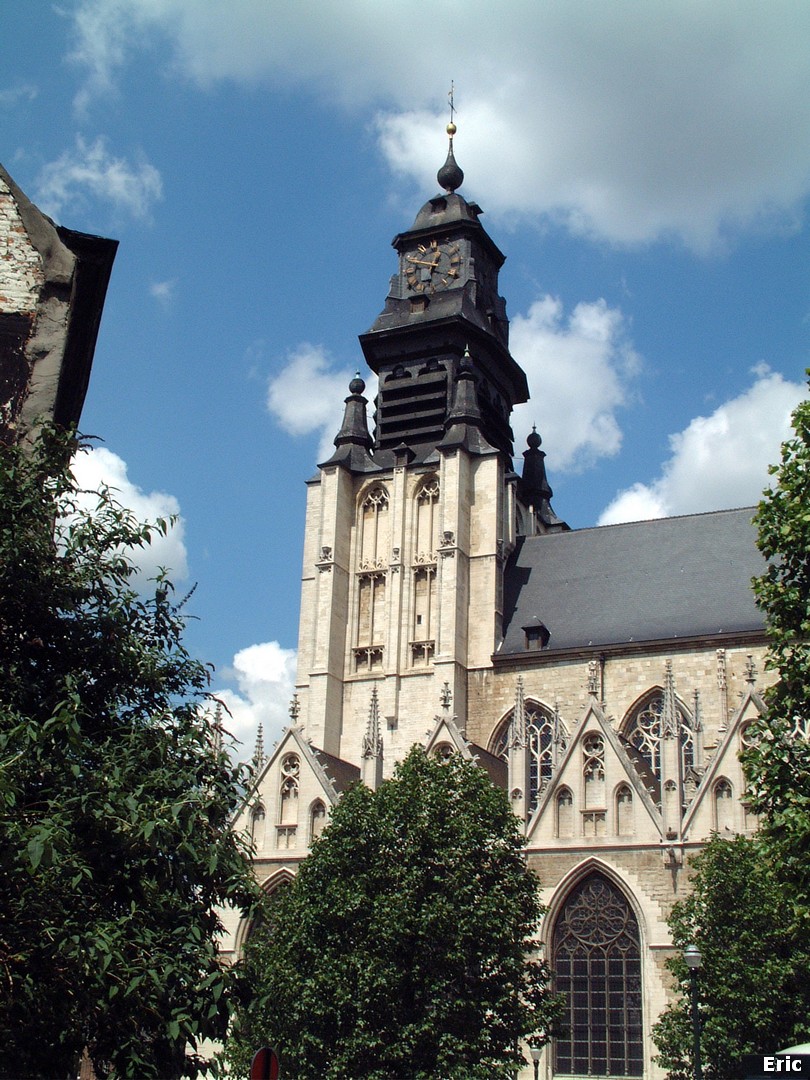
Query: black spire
(464,423)
(353,441)
(535,489)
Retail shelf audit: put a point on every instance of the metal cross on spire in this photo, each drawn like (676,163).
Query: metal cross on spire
(451,99)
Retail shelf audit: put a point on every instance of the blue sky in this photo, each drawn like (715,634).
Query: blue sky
(645,166)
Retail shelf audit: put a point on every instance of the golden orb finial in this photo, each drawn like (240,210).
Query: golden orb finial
(451,129)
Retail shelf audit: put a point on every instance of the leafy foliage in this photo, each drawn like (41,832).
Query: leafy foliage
(755,980)
(115,803)
(778,766)
(403,946)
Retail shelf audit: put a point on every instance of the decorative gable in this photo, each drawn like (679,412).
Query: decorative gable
(596,793)
(292,797)
(717,806)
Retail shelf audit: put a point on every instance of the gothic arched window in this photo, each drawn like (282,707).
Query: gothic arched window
(723,806)
(374,529)
(547,737)
(423,636)
(565,813)
(625,825)
(257,826)
(372,545)
(288,801)
(643,729)
(596,956)
(317,820)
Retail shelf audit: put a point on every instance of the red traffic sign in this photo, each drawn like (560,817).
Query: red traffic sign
(265,1065)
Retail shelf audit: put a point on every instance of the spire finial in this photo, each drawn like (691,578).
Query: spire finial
(258,754)
(450,176)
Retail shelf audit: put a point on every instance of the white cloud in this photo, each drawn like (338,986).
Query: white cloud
(13,95)
(579,369)
(718,461)
(265,680)
(98,467)
(163,292)
(628,122)
(90,168)
(308,395)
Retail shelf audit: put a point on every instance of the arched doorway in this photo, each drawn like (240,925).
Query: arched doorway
(596,955)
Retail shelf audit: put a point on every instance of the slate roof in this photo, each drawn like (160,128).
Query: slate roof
(341,773)
(680,577)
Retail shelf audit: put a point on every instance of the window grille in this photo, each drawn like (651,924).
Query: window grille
(644,731)
(597,966)
(540,723)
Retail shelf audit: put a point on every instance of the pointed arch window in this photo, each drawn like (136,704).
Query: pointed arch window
(288,801)
(547,738)
(596,957)
(565,813)
(317,819)
(723,806)
(423,632)
(373,544)
(625,824)
(257,826)
(643,731)
(374,529)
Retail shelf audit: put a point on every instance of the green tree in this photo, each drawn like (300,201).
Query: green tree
(755,979)
(403,948)
(115,802)
(778,766)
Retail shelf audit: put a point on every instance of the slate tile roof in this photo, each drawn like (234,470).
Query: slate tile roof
(680,577)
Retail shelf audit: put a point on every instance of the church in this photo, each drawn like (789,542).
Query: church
(605,677)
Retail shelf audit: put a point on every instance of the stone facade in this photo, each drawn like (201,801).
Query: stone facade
(603,678)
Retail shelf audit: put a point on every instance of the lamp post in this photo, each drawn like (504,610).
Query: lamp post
(694,961)
(535,1051)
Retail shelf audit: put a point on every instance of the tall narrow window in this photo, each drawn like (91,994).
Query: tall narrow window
(723,806)
(427,521)
(625,825)
(375,529)
(257,826)
(596,955)
(317,820)
(423,631)
(288,802)
(593,775)
(565,813)
(373,546)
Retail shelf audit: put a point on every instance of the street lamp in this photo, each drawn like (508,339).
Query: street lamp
(694,961)
(536,1052)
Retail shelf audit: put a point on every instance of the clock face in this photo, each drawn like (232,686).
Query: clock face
(432,266)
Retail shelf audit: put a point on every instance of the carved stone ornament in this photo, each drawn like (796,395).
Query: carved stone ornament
(447,544)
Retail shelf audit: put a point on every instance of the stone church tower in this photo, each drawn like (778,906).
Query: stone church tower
(603,677)
(409,528)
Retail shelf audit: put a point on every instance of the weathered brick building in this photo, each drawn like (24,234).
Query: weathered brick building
(53,282)
(604,677)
